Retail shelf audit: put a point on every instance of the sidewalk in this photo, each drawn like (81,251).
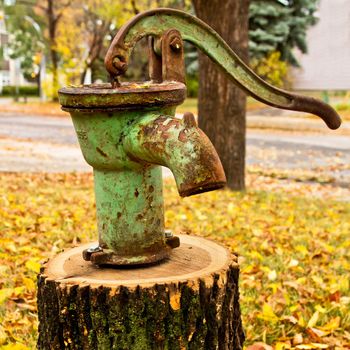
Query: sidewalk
(291,121)
(267,118)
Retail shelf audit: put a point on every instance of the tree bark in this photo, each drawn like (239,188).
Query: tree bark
(190,301)
(221,105)
(52,27)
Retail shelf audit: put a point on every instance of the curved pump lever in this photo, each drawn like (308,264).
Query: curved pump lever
(157,22)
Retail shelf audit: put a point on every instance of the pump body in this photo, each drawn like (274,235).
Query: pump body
(126,134)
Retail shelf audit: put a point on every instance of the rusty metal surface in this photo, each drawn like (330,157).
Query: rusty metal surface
(182,147)
(173,66)
(128,95)
(155,62)
(109,257)
(168,64)
(156,22)
(100,256)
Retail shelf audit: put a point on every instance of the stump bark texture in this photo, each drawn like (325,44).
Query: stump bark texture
(190,301)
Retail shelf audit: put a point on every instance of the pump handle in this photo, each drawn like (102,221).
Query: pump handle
(156,22)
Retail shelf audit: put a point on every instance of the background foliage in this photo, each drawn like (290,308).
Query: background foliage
(84,28)
(276,28)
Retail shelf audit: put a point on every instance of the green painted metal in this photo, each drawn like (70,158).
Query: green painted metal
(126,147)
(195,31)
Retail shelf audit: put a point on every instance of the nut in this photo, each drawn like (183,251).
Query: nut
(119,64)
(176,44)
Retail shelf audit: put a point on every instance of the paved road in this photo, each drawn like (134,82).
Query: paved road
(33,143)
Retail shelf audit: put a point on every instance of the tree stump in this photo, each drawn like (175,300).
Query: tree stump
(189,301)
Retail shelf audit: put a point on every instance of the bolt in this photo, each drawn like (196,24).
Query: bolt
(119,64)
(88,252)
(168,234)
(176,44)
(173,242)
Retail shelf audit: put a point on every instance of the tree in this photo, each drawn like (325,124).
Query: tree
(280,25)
(83,36)
(221,105)
(25,40)
(50,13)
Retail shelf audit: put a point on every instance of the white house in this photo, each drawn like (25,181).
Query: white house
(327,64)
(4,61)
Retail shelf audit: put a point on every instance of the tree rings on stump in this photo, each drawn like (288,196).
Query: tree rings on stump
(189,301)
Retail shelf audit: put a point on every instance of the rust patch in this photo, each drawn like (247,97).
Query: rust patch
(159,126)
(92,98)
(156,147)
(182,136)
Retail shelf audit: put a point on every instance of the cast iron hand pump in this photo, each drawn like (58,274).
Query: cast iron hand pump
(127,131)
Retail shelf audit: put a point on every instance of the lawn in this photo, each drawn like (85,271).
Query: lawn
(293,248)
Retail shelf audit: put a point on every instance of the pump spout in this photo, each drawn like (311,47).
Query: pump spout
(179,145)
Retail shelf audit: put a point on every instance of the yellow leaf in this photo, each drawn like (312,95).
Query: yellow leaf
(320,346)
(321,309)
(282,346)
(33,266)
(14,347)
(3,336)
(313,320)
(268,314)
(18,290)
(175,301)
(29,284)
(302,249)
(274,287)
(301,321)
(332,325)
(4,294)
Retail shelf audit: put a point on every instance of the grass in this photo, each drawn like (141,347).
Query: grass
(293,248)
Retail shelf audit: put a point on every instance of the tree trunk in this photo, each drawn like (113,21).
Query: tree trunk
(221,105)
(188,302)
(52,26)
(83,74)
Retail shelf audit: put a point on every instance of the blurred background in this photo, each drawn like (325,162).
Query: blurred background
(289,221)
(47,44)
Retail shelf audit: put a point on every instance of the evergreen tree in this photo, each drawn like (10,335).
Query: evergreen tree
(280,25)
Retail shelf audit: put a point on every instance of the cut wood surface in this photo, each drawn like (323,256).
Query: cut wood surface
(189,301)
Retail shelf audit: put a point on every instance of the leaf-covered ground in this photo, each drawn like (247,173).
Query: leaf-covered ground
(294,252)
